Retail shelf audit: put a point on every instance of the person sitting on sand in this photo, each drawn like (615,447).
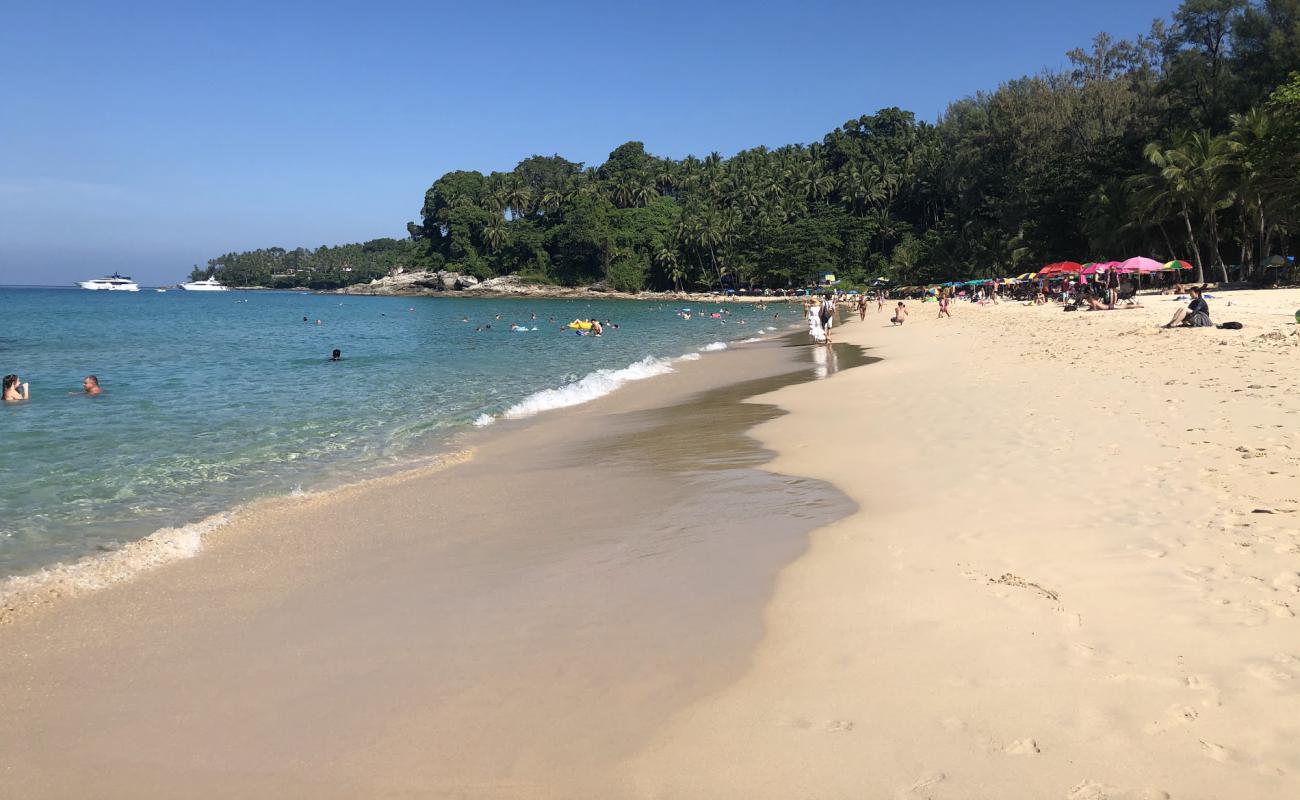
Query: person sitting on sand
(1195,315)
(900,314)
(15,390)
(90,385)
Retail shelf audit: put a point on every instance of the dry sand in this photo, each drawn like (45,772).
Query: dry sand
(1074,574)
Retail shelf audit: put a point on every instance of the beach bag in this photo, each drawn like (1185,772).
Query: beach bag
(1230,326)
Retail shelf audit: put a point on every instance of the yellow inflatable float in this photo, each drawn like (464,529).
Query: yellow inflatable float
(580,325)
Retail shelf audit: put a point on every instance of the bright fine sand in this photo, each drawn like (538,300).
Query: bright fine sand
(1074,574)
(1027,554)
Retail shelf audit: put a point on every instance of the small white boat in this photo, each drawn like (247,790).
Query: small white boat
(113,283)
(209,285)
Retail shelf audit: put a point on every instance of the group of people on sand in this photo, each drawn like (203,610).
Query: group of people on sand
(820,313)
(17,390)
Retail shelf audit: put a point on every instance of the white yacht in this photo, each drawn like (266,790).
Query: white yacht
(113,283)
(209,285)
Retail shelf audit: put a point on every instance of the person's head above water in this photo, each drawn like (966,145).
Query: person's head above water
(91,385)
(10,382)
(337,355)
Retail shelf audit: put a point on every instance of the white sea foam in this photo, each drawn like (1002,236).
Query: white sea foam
(689,357)
(752,339)
(714,347)
(597,384)
(484,420)
(96,572)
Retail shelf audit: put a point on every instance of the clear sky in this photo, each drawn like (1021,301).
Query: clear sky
(149,136)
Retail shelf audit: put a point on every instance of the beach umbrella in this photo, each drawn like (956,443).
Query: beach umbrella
(1177,265)
(1060,268)
(1275,261)
(1141,264)
(1028,276)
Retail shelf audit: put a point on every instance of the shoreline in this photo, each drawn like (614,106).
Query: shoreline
(150,547)
(612,609)
(27,592)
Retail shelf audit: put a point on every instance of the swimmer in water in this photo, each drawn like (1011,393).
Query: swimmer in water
(337,355)
(595,327)
(15,390)
(90,385)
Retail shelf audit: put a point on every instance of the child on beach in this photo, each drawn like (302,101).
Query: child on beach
(900,314)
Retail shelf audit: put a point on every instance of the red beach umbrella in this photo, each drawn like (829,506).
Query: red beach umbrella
(1060,268)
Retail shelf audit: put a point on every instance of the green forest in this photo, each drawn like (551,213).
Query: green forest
(1181,144)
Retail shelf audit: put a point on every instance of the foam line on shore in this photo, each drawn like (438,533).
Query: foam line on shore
(96,572)
(164,546)
(588,388)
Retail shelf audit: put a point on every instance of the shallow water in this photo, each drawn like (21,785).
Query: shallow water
(215,399)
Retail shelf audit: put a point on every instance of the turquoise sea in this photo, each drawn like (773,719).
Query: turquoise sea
(214,399)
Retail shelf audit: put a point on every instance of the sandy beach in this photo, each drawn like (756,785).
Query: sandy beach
(1074,573)
(1026,554)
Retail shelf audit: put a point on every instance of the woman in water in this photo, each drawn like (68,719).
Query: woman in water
(14,390)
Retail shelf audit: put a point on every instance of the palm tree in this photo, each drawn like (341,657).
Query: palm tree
(1210,160)
(1108,215)
(495,234)
(1254,184)
(644,193)
(552,198)
(517,197)
(666,260)
(1170,187)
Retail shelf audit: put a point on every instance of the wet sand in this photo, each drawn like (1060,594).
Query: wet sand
(513,625)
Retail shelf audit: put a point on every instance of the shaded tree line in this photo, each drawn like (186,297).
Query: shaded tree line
(321,268)
(1181,143)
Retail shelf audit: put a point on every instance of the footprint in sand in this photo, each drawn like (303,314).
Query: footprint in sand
(1175,716)
(1091,790)
(1215,751)
(923,786)
(839,725)
(1022,747)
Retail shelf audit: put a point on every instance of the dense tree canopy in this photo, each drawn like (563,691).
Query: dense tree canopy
(1184,143)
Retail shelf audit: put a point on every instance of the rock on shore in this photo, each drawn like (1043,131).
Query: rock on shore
(414,284)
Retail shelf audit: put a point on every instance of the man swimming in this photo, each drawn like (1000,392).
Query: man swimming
(90,384)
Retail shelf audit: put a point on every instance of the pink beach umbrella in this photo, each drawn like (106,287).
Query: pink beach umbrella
(1140,264)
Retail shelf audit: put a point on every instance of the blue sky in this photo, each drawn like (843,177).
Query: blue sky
(147,137)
